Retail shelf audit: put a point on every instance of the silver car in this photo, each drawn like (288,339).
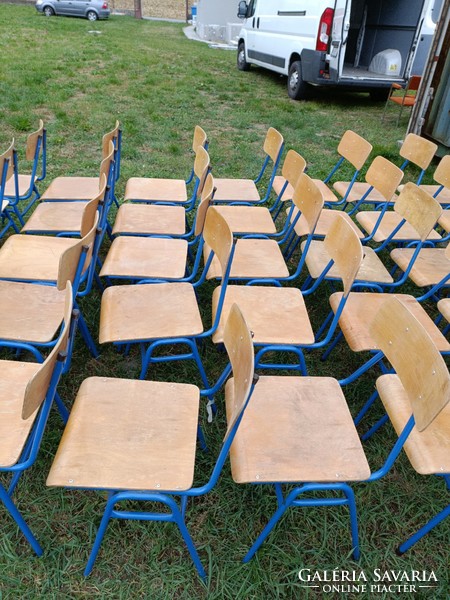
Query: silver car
(90,9)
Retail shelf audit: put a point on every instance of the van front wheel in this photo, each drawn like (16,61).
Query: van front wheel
(297,88)
(242,64)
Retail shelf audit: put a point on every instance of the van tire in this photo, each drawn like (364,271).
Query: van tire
(242,64)
(297,88)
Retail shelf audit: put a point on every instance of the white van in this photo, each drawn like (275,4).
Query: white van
(357,44)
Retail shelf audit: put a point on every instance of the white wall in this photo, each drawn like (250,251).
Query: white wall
(217,20)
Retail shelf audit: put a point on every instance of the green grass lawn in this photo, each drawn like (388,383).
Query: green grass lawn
(160,85)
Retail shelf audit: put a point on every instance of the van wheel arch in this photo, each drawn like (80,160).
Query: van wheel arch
(298,89)
(242,64)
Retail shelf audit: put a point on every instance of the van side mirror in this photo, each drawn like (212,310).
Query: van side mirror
(242,9)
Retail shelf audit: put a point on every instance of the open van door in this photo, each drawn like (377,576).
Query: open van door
(339,34)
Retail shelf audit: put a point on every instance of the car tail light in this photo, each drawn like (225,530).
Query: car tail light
(105,5)
(323,35)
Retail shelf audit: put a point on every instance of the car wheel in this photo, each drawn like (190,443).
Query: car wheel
(91,15)
(297,88)
(242,64)
(48,11)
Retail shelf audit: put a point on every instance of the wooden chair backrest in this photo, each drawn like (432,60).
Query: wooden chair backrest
(205,201)
(200,139)
(108,138)
(442,172)
(308,198)
(105,165)
(69,259)
(293,166)
(413,83)
(32,141)
(418,150)
(218,236)
(238,343)
(415,358)
(344,247)
(384,176)
(418,208)
(38,385)
(9,156)
(273,143)
(202,165)
(354,148)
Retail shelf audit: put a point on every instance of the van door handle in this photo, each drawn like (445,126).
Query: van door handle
(253,23)
(257,24)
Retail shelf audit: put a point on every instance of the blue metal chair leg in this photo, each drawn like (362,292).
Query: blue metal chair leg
(375,428)
(99,537)
(87,336)
(423,531)
(265,532)
(365,408)
(353,520)
(190,546)
(10,506)
(61,408)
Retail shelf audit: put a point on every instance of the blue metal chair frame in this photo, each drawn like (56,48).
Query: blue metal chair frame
(39,164)
(31,448)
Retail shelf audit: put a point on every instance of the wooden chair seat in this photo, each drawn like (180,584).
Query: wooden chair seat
(146,312)
(55,217)
(444,308)
(253,259)
(390,220)
(30,313)
(444,220)
(157,190)
(72,188)
(359,309)
(327,216)
(358,190)
(278,183)
(428,450)
(274,315)
(372,269)
(234,190)
(14,430)
(248,219)
(429,268)
(153,449)
(24,184)
(32,257)
(296,429)
(444,195)
(146,257)
(327,193)
(148,219)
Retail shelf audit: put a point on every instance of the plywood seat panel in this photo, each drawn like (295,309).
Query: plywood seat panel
(30,312)
(32,258)
(146,257)
(359,310)
(429,268)
(444,195)
(444,308)
(389,222)
(149,311)
(274,315)
(72,188)
(248,219)
(157,190)
(278,183)
(429,450)
(327,216)
(233,190)
(444,220)
(327,193)
(24,186)
(296,429)
(129,434)
(55,217)
(147,219)
(252,259)
(14,430)
(372,269)
(358,190)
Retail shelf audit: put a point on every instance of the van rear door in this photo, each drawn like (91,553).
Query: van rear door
(339,34)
